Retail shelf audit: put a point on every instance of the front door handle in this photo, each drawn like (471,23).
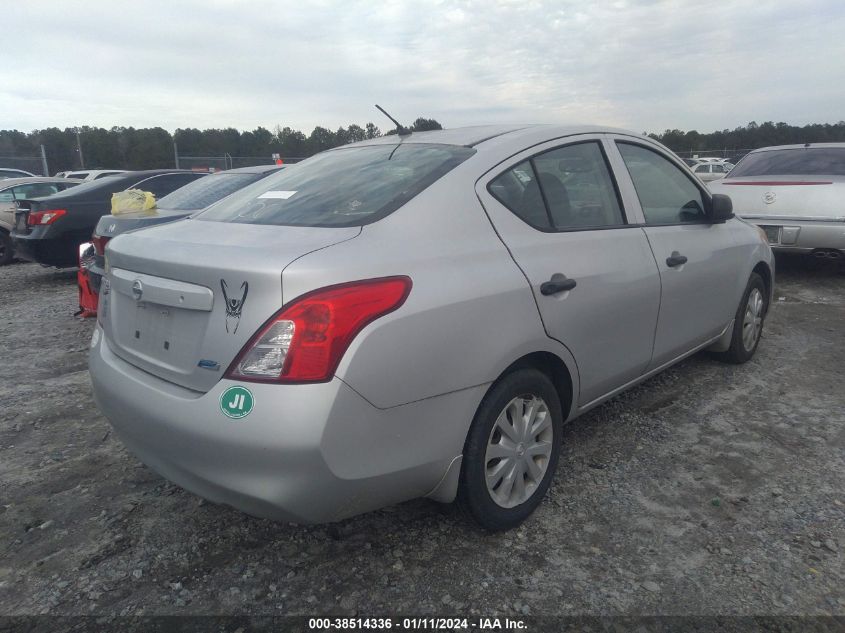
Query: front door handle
(675,259)
(558,283)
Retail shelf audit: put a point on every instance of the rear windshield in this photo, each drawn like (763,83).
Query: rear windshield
(344,187)
(110,184)
(205,191)
(809,161)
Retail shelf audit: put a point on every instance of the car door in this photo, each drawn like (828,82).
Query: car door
(558,210)
(697,259)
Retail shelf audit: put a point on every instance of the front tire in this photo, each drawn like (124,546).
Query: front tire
(511,451)
(748,323)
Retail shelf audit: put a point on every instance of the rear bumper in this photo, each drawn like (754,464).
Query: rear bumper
(305,453)
(61,253)
(804,236)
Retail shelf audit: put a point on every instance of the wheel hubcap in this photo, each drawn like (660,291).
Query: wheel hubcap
(752,322)
(518,451)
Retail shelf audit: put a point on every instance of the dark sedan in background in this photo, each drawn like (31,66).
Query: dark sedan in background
(191,198)
(50,230)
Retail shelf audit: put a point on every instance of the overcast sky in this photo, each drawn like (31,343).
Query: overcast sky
(639,64)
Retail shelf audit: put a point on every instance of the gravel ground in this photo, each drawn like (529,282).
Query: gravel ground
(710,489)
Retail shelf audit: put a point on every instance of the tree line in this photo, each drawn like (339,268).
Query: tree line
(747,137)
(152,148)
(149,148)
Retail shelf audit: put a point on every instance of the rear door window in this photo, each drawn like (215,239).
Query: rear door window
(578,188)
(562,189)
(666,194)
(349,186)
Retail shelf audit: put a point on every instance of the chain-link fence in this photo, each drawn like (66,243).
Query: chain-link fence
(226,161)
(730,154)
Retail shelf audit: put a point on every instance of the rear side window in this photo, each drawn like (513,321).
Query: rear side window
(578,188)
(667,195)
(343,187)
(205,191)
(804,161)
(565,188)
(702,169)
(519,191)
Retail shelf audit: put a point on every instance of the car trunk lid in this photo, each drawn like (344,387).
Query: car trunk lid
(785,197)
(183,298)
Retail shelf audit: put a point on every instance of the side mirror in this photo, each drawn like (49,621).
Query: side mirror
(722,208)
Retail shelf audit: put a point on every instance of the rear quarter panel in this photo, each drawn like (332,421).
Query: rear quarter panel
(469,315)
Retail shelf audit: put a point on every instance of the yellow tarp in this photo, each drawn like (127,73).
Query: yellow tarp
(132,201)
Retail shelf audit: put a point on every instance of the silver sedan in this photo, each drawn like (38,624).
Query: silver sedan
(796,194)
(417,316)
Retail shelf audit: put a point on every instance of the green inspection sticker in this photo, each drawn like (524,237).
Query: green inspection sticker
(236,402)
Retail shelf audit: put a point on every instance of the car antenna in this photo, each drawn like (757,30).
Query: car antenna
(401,130)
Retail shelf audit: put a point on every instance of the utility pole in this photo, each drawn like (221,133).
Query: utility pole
(79,149)
(44,161)
(176,155)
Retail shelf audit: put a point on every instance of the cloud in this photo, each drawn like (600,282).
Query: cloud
(216,63)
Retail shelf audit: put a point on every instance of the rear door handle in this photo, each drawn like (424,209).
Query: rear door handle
(558,283)
(676,259)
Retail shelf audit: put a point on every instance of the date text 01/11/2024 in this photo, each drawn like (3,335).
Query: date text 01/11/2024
(417,624)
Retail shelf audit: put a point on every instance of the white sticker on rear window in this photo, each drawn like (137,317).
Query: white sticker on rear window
(277,195)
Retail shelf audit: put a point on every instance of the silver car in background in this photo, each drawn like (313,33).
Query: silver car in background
(417,316)
(796,194)
(710,170)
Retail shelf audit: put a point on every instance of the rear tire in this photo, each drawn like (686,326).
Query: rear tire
(511,451)
(7,248)
(748,323)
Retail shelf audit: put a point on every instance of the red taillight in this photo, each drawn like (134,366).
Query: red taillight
(99,243)
(40,218)
(305,340)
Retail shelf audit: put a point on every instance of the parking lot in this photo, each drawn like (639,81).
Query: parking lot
(710,489)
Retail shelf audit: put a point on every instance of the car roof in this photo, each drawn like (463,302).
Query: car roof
(118,180)
(93,171)
(253,169)
(475,135)
(148,172)
(799,146)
